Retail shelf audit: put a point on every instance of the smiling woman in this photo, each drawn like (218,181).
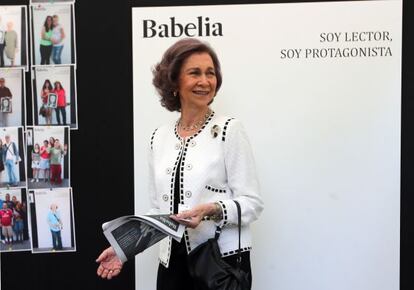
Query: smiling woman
(199,166)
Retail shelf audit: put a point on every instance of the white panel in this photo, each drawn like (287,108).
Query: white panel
(325,133)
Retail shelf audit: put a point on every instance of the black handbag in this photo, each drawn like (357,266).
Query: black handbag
(210,272)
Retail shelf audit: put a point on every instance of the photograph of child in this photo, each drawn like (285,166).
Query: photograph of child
(48,157)
(12,165)
(52,42)
(13,36)
(54,96)
(51,213)
(14,227)
(12,97)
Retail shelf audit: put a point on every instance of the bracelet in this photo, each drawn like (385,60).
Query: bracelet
(218,213)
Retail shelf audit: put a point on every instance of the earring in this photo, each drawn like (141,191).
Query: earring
(175,93)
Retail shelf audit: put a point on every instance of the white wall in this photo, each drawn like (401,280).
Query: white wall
(43,199)
(325,134)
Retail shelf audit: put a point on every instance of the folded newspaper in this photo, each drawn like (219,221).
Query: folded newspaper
(130,235)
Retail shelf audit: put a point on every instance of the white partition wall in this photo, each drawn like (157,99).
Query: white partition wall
(318,89)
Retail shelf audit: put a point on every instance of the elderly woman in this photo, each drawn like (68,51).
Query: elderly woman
(198,166)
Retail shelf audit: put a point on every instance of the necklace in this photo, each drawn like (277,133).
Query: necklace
(196,124)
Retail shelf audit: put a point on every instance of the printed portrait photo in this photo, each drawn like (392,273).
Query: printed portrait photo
(5,105)
(48,157)
(12,154)
(51,217)
(14,226)
(13,36)
(12,97)
(54,96)
(52,34)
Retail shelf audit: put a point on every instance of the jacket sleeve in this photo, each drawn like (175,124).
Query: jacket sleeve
(154,204)
(241,176)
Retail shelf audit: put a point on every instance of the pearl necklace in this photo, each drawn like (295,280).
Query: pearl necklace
(196,125)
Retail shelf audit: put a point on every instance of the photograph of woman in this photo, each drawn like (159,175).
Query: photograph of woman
(11,43)
(58,35)
(36,158)
(44,166)
(61,103)
(201,190)
(46,44)
(6,105)
(45,111)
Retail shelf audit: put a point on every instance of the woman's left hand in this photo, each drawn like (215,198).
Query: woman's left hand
(192,218)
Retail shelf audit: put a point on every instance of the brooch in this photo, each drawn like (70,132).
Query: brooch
(215,130)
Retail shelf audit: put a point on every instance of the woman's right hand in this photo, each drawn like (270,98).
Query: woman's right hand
(110,265)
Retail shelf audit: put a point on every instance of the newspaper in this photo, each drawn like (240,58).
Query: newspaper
(130,235)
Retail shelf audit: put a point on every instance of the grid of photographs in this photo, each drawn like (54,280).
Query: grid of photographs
(36,199)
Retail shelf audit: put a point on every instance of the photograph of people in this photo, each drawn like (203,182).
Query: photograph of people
(61,103)
(188,78)
(6,105)
(52,33)
(48,157)
(13,221)
(56,225)
(2,44)
(5,93)
(11,159)
(58,35)
(12,87)
(11,43)
(36,161)
(46,40)
(45,110)
(6,221)
(54,103)
(52,220)
(12,155)
(13,36)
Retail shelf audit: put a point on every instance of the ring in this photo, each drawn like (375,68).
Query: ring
(111,271)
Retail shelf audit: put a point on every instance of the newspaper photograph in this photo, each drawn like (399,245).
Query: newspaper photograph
(130,235)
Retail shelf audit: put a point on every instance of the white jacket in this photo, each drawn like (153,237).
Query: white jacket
(217,165)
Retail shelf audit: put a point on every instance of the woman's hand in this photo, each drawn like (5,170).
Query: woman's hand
(110,265)
(192,218)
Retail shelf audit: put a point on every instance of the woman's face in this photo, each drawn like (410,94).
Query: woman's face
(55,20)
(49,21)
(197,81)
